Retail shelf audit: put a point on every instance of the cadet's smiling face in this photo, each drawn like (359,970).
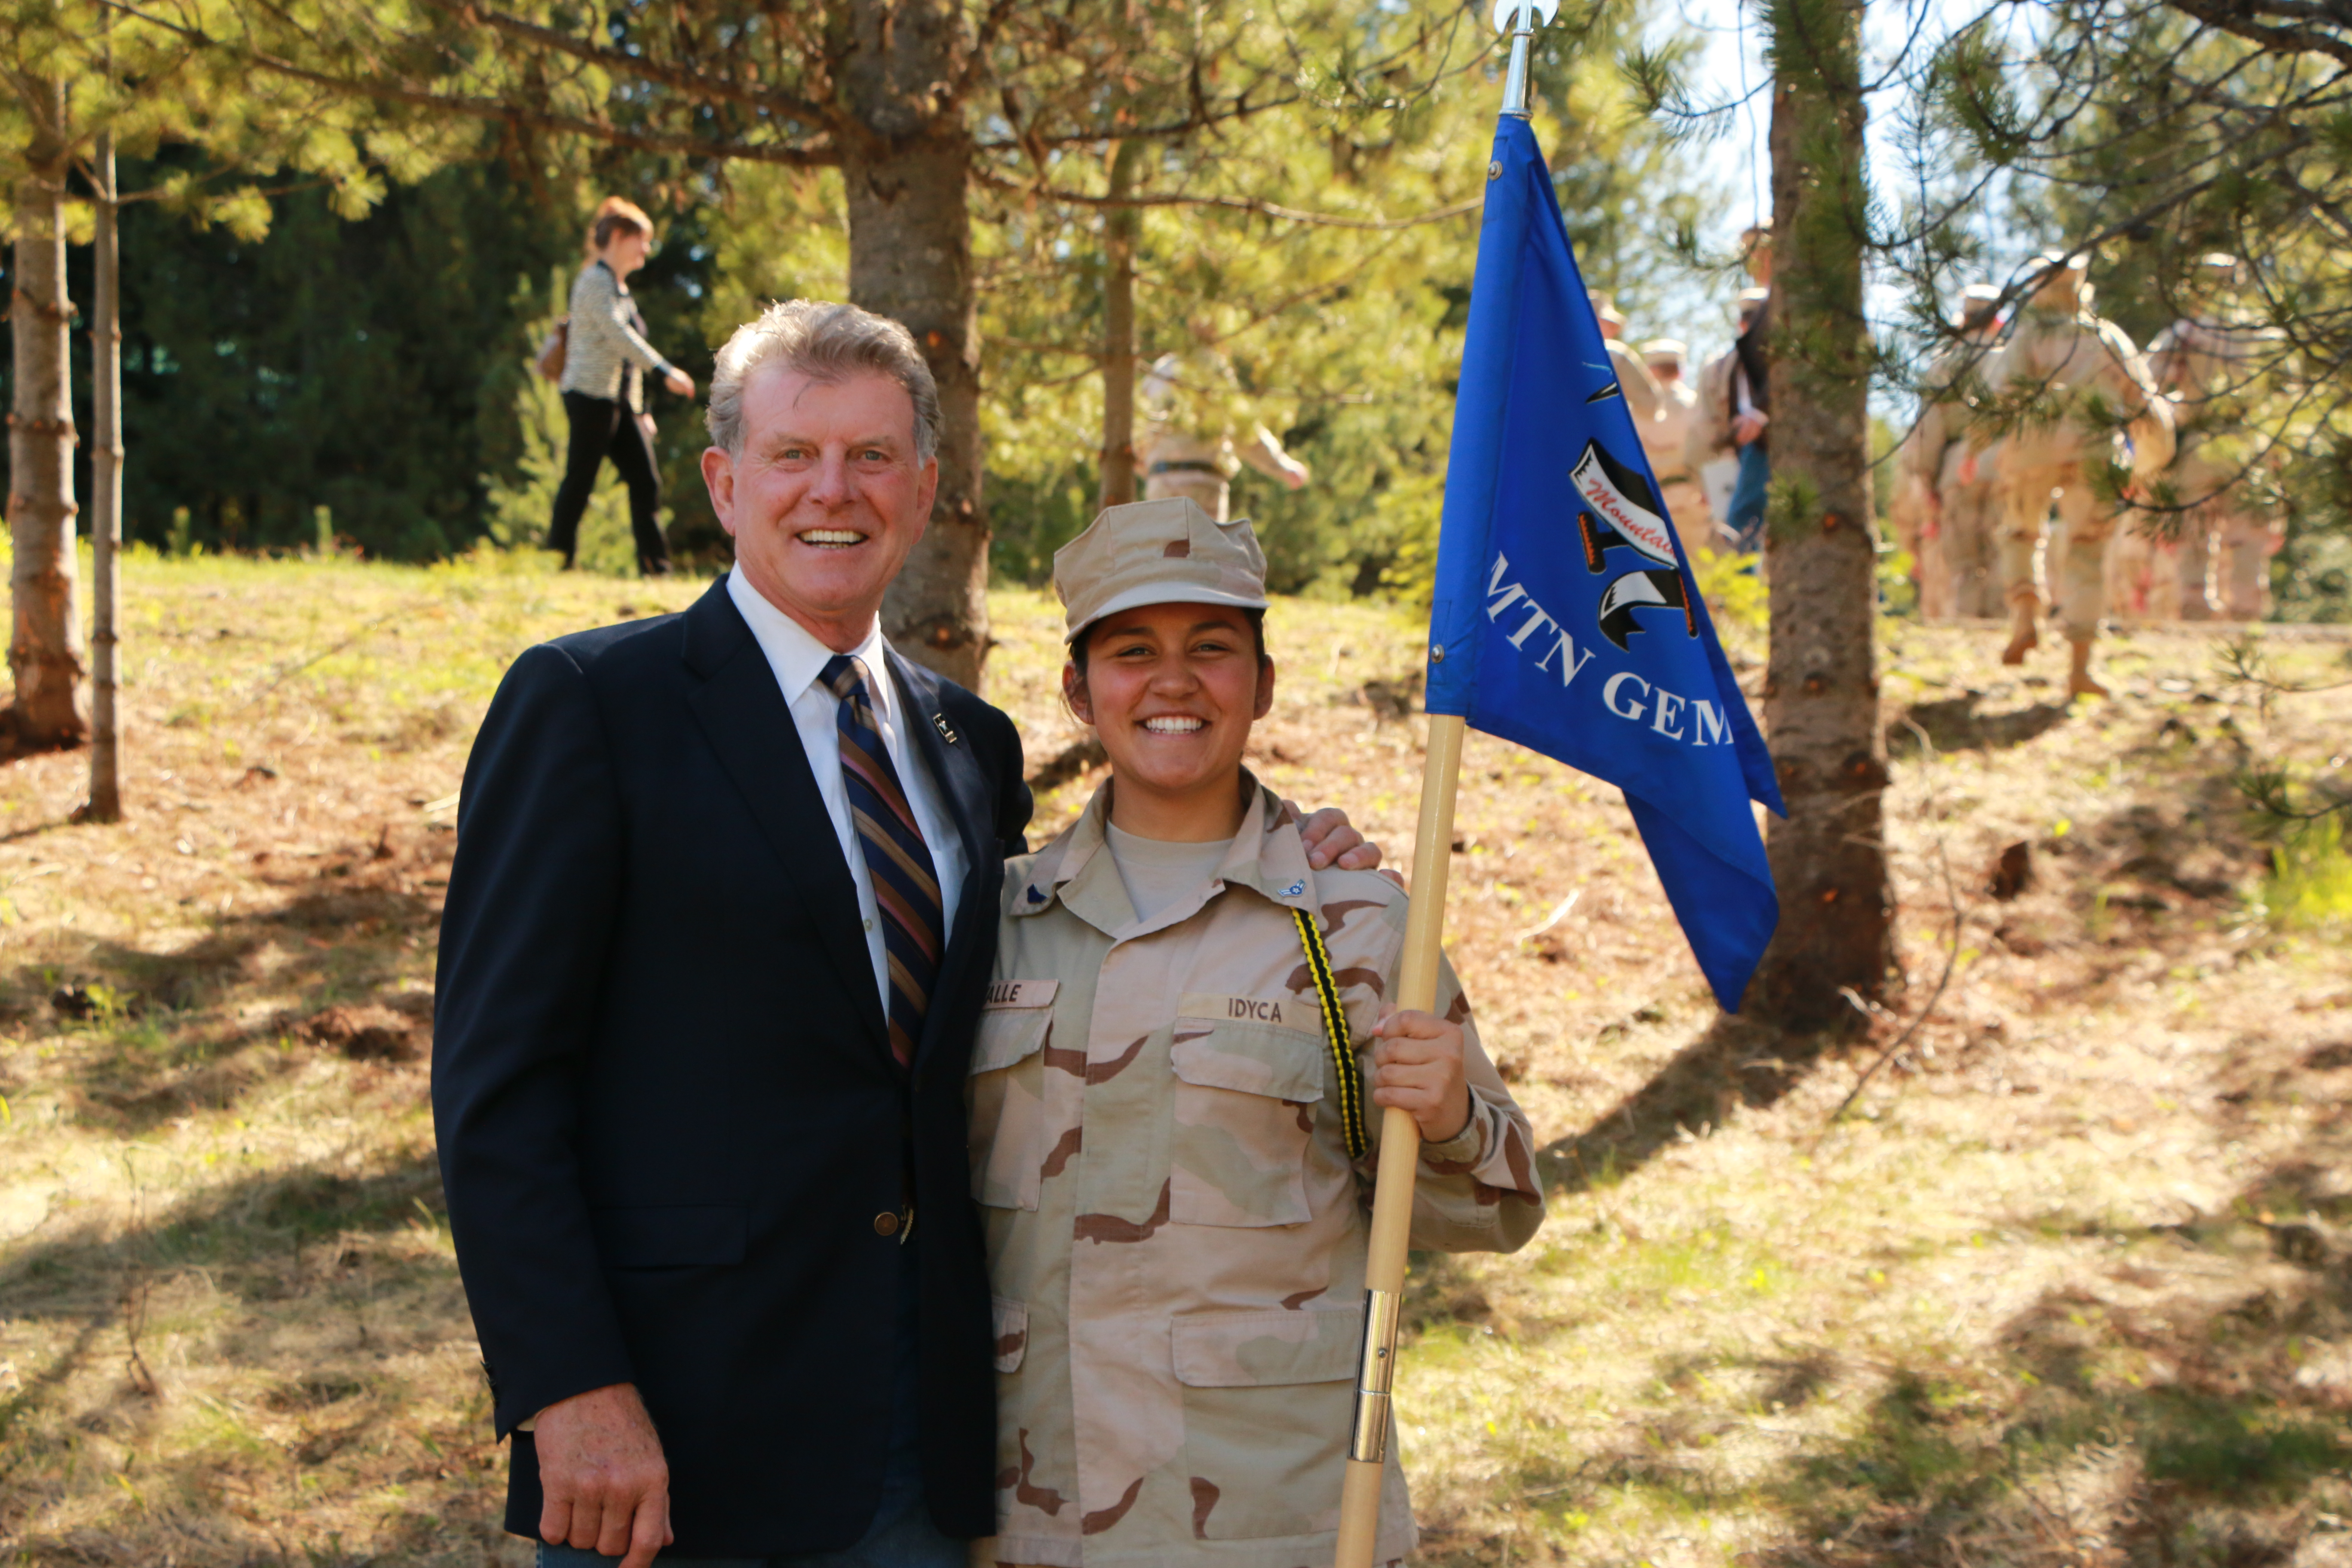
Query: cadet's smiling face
(1172,689)
(827,497)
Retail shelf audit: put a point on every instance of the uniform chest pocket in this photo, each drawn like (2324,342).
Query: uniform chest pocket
(1006,1093)
(1244,1117)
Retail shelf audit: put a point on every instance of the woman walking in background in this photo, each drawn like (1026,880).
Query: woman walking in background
(606,360)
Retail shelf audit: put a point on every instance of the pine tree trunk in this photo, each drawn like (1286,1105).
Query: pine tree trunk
(906,166)
(106,498)
(1821,690)
(45,647)
(1121,226)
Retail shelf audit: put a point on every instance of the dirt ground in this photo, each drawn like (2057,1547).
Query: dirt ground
(2064,1284)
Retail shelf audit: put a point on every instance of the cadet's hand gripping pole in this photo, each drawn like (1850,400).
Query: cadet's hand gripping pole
(1359,1497)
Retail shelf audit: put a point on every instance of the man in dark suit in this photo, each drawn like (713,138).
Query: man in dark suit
(723,914)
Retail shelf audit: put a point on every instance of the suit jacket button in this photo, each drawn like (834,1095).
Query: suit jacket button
(886,1224)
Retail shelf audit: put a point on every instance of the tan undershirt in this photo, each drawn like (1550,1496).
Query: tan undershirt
(1158,872)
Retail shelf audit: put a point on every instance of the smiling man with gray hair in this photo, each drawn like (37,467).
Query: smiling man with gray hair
(721,918)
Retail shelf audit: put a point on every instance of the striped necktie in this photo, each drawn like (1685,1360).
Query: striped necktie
(905,885)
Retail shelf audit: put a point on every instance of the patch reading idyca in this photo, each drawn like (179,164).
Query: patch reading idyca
(1022,992)
(1282,1012)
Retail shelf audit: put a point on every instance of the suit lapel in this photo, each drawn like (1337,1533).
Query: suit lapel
(966,797)
(744,718)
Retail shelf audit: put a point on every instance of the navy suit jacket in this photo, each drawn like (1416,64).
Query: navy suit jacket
(662,1088)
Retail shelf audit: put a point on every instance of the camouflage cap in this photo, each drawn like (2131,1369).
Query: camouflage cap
(1157,552)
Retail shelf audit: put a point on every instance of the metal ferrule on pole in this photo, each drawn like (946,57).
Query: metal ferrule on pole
(1375,1376)
(1519,18)
(1514,83)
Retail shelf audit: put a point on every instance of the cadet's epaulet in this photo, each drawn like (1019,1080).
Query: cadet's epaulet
(1343,896)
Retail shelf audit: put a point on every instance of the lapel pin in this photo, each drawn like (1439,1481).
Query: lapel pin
(939,722)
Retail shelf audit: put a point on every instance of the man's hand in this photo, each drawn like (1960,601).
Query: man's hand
(1332,840)
(1417,1068)
(602,1475)
(1746,427)
(677,381)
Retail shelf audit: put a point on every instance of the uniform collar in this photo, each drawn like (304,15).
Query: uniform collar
(1266,856)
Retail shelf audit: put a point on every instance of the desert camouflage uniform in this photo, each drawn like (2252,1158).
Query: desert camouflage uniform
(1958,572)
(1666,440)
(1176,1234)
(2071,359)
(2211,365)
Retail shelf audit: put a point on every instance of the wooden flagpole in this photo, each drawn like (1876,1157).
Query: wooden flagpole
(1425,931)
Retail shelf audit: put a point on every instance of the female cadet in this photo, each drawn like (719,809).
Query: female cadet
(1171,1142)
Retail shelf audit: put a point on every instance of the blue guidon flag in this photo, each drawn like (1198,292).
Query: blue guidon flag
(1566,618)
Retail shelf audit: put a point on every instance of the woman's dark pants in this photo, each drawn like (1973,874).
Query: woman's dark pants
(603,427)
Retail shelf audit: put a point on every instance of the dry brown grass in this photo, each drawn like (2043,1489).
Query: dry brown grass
(2065,1287)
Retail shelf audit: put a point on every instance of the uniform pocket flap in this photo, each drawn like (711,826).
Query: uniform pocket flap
(1012,1319)
(1013,1023)
(1254,1350)
(1255,1058)
(669,1237)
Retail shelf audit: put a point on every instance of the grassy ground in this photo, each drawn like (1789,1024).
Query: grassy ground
(2064,1286)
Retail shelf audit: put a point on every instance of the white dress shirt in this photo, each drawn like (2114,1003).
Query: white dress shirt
(798,658)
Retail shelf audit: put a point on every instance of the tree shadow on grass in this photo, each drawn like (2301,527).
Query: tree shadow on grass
(165,1033)
(285,1269)
(249,1238)
(314,1392)
(2179,1404)
(1735,1062)
(1956,724)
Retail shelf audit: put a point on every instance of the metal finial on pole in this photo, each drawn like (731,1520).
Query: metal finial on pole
(1518,18)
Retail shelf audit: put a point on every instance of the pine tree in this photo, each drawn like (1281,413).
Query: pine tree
(45,649)
(920,105)
(1821,690)
(78,86)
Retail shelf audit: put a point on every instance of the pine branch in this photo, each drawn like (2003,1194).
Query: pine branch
(2303,27)
(1231,204)
(693,83)
(390,90)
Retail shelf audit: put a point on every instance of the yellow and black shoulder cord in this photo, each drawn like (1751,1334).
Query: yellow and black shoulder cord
(1347,1079)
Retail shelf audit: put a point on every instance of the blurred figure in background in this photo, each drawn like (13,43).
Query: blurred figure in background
(2085,371)
(2210,361)
(1734,398)
(1666,439)
(1192,404)
(606,360)
(1639,388)
(1944,488)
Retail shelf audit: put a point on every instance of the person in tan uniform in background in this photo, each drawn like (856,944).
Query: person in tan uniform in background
(1162,1115)
(1192,405)
(1948,494)
(1666,439)
(2211,363)
(1643,395)
(2062,355)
